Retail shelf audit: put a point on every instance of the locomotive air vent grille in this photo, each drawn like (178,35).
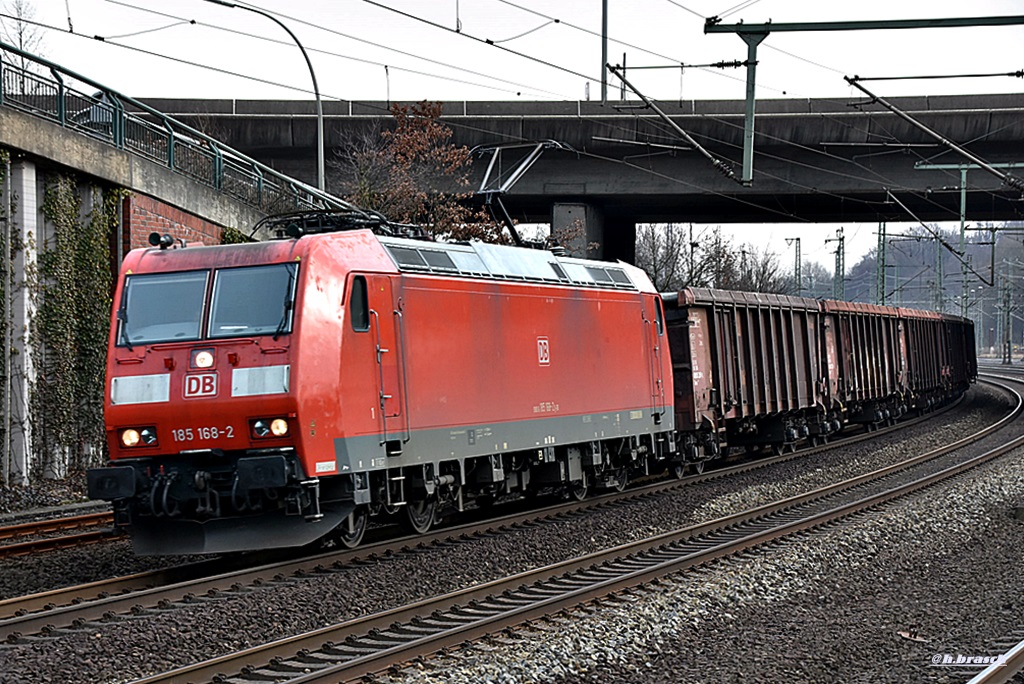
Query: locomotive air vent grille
(504,263)
(438,260)
(559,271)
(619,276)
(599,274)
(409,258)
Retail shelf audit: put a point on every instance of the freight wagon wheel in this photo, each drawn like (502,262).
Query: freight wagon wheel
(621,479)
(352,528)
(420,515)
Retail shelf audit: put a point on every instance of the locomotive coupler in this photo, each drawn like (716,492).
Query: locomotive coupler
(309,499)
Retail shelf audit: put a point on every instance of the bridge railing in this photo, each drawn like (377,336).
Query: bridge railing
(41,88)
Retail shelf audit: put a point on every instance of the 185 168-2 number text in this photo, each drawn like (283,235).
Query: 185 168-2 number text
(204,433)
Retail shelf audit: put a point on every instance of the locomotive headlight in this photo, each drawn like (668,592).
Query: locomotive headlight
(279,427)
(202,359)
(133,437)
(270,427)
(130,437)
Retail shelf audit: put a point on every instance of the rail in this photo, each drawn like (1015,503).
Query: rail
(1003,671)
(43,89)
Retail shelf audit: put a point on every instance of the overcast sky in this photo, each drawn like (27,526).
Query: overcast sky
(537,50)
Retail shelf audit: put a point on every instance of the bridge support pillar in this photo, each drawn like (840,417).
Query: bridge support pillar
(23,233)
(619,240)
(585,231)
(579,228)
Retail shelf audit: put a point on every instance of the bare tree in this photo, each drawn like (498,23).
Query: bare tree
(760,272)
(414,174)
(817,280)
(20,32)
(675,258)
(662,250)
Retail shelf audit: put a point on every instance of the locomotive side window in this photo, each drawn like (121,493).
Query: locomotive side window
(358,305)
(162,307)
(253,300)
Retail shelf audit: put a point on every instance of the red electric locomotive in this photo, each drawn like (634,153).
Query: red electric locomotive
(269,394)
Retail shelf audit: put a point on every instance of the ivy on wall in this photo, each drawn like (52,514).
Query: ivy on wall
(233,236)
(5,279)
(73,287)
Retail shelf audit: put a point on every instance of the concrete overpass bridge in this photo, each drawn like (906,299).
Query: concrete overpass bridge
(815,160)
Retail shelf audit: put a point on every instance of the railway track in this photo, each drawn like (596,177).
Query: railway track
(1005,670)
(53,612)
(375,643)
(98,527)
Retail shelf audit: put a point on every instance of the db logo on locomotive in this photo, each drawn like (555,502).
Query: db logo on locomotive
(543,351)
(204,385)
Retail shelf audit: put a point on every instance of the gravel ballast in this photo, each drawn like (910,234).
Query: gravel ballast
(879,599)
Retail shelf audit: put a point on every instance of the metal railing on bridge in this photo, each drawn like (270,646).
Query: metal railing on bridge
(41,88)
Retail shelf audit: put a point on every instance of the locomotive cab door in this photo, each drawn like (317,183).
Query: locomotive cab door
(655,324)
(386,328)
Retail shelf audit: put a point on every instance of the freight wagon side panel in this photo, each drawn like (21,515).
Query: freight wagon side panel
(925,342)
(767,354)
(868,341)
(830,352)
(694,376)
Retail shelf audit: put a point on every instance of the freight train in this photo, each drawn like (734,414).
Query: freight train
(278,393)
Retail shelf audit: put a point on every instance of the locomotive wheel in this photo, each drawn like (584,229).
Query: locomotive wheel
(698,467)
(678,470)
(579,490)
(350,535)
(621,479)
(420,515)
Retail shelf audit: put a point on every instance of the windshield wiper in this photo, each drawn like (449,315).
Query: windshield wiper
(289,302)
(122,316)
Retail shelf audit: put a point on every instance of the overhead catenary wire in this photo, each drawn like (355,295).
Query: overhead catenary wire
(942,241)
(721,166)
(485,41)
(1007,178)
(520,86)
(228,72)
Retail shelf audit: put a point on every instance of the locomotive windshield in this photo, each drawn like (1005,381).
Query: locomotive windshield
(169,307)
(256,300)
(162,307)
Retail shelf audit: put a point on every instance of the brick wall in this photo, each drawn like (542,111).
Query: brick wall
(145,215)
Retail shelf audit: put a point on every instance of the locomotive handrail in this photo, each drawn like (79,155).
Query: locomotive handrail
(380,375)
(403,383)
(149,133)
